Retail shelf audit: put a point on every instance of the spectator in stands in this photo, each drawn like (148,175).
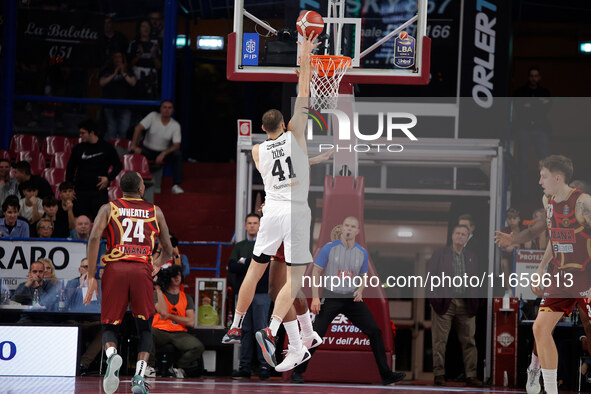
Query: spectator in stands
(530,120)
(35,287)
(22,173)
(476,244)
(257,315)
(44,228)
(10,225)
(88,169)
(513,226)
(456,305)
(177,258)
(144,54)
(90,326)
(83,227)
(8,185)
(541,241)
(175,312)
(68,205)
(117,80)
(61,228)
(162,142)
(111,40)
(157,26)
(49,270)
(31,207)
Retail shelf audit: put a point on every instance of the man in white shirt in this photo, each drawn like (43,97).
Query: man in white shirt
(162,142)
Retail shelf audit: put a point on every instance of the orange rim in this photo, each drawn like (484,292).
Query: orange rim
(327,64)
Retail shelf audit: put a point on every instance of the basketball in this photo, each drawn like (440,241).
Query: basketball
(310,22)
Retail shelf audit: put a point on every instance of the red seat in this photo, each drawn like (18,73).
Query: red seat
(60,160)
(4,154)
(54,144)
(121,142)
(115,193)
(54,176)
(56,191)
(137,163)
(23,142)
(117,181)
(74,141)
(35,158)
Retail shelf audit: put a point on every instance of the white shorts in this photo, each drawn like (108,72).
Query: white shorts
(287,222)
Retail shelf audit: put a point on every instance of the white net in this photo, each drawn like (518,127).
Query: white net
(327,72)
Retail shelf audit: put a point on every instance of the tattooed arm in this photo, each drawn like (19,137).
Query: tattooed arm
(583,210)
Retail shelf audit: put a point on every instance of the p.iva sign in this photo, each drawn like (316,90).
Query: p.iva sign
(391,119)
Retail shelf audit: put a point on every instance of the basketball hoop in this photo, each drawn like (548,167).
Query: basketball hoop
(327,72)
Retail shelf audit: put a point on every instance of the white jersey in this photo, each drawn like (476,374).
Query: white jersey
(285,169)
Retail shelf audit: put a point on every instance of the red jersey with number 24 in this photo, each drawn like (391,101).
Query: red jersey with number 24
(132,230)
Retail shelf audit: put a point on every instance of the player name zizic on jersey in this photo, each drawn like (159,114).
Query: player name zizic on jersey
(134,213)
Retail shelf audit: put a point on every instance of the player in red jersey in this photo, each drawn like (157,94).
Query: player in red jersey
(132,226)
(568,218)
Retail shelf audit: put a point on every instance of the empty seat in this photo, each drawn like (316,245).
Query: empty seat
(23,142)
(60,160)
(121,142)
(56,191)
(117,181)
(115,193)
(54,144)
(54,176)
(35,158)
(74,141)
(137,163)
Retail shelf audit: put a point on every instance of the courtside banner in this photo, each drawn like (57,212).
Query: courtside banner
(17,255)
(526,263)
(38,351)
(344,335)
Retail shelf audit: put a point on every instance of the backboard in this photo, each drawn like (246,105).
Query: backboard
(262,46)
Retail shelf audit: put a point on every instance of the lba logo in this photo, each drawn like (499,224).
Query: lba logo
(392,124)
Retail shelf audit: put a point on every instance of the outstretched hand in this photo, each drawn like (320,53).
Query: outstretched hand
(309,44)
(503,240)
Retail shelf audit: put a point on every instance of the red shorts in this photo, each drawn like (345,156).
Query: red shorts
(279,255)
(563,294)
(125,283)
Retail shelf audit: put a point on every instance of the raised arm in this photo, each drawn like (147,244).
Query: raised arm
(299,118)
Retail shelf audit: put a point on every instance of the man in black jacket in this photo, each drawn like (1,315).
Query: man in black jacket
(455,305)
(22,174)
(88,168)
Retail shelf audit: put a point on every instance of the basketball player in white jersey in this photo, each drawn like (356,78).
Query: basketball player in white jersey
(282,161)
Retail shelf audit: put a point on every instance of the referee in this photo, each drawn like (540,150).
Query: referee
(346,258)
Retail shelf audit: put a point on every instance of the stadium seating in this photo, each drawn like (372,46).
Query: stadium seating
(35,158)
(74,141)
(138,163)
(115,193)
(53,144)
(54,176)
(115,182)
(21,143)
(59,160)
(121,142)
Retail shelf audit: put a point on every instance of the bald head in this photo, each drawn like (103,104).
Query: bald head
(83,225)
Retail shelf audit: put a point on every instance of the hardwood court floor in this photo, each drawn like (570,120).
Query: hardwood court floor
(50,385)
